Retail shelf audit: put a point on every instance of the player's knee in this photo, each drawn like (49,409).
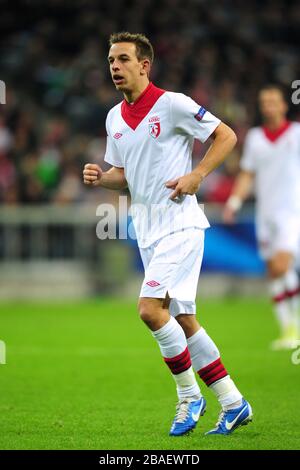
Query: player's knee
(188,323)
(146,311)
(184,320)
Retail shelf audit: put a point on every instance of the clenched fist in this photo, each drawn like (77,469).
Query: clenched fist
(92,174)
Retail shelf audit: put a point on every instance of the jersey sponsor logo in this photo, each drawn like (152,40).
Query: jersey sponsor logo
(200,113)
(117,135)
(154,129)
(153,283)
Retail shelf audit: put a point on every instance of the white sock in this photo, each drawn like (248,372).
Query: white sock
(227,393)
(206,361)
(202,349)
(292,290)
(186,385)
(281,304)
(173,345)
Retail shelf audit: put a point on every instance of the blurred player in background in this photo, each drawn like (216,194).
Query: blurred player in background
(149,145)
(271,159)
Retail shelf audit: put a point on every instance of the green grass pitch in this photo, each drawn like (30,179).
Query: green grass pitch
(89,375)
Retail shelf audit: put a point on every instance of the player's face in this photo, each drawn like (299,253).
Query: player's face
(272,104)
(125,68)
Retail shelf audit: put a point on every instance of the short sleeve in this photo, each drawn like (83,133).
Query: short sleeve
(248,159)
(112,155)
(191,118)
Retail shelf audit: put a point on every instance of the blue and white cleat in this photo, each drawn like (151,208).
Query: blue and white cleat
(232,419)
(188,411)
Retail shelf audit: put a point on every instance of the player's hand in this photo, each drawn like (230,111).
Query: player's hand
(92,174)
(228,215)
(232,206)
(187,184)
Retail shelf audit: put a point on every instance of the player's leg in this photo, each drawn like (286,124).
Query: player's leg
(160,262)
(277,267)
(207,362)
(284,286)
(173,346)
(172,343)
(278,244)
(293,294)
(204,353)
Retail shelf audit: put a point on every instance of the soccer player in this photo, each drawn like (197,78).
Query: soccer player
(271,157)
(150,137)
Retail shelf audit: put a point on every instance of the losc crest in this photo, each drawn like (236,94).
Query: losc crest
(154,129)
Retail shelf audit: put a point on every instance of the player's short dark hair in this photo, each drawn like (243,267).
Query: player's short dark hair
(277,87)
(143,46)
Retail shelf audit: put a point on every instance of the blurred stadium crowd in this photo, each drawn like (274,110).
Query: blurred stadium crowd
(58,89)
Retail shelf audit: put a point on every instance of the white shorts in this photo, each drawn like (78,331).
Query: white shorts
(278,235)
(172,265)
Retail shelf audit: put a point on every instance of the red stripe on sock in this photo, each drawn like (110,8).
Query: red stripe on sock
(210,366)
(179,357)
(179,363)
(280,297)
(210,374)
(213,372)
(293,293)
(178,370)
(219,376)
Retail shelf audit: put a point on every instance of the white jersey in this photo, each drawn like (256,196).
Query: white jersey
(152,139)
(274,158)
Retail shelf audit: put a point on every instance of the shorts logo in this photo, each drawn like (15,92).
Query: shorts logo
(153,283)
(154,127)
(117,135)
(200,113)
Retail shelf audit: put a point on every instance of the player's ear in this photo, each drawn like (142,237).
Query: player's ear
(145,67)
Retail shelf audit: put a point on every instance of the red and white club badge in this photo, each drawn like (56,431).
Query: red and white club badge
(154,129)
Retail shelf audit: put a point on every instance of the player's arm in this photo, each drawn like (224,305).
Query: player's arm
(114,178)
(240,191)
(224,140)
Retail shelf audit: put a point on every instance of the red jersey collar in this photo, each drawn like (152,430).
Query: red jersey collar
(134,113)
(274,135)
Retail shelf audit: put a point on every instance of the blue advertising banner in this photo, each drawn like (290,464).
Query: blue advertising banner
(232,249)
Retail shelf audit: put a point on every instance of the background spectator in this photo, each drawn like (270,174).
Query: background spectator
(54,63)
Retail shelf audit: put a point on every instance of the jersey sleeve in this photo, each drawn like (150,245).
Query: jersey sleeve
(247,162)
(112,155)
(191,118)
